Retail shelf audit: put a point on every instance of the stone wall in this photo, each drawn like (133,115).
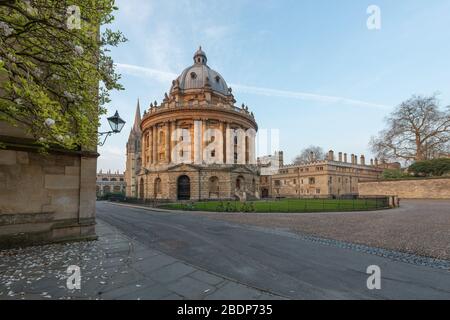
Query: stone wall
(408,189)
(46,198)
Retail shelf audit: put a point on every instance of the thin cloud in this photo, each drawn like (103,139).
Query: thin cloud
(305,96)
(163,76)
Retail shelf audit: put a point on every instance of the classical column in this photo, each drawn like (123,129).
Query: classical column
(198,124)
(173,137)
(241,149)
(155,145)
(202,138)
(252,148)
(229,145)
(219,150)
(143,149)
(150,143)
(168,142)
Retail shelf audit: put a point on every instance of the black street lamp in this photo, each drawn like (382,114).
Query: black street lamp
(116,123)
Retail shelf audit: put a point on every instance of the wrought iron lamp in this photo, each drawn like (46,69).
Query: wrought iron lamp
(116,123)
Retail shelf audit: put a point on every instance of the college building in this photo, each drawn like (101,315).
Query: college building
(110,182)
(331,177)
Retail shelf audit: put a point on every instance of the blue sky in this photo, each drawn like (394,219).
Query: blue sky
(311,69)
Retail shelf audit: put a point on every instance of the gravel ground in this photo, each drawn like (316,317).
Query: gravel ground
(420,227)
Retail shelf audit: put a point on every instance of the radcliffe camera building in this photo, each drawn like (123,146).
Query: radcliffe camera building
(170,149)
(196,144)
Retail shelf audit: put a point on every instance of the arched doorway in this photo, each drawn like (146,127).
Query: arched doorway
(141,188)
(184,188)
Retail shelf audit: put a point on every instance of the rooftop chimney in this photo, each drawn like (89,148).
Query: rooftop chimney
(331,155)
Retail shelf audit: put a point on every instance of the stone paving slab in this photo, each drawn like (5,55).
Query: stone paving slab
(113,267)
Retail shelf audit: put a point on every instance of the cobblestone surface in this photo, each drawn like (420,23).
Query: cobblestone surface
(114,267)
(419,227)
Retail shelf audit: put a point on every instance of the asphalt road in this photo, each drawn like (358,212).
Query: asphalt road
(274,260)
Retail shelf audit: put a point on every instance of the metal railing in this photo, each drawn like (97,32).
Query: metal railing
(285,205)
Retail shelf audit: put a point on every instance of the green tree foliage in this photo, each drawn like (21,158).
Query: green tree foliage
(55,68)
(435,167)
(394,174)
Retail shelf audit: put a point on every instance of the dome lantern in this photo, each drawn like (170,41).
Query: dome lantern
(200,57)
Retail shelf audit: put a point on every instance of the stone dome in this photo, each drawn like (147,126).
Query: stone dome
(200,76)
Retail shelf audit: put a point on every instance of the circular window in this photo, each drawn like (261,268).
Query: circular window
(193,75)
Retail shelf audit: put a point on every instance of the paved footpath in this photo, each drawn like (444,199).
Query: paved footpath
(114,267)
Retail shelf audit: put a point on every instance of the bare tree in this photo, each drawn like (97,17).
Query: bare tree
(417,130)
(312,153)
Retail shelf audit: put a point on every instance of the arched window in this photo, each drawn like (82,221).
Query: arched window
(240,183)
(213,187)
(157,187)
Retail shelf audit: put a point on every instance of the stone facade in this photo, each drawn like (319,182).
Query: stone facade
(44,197)
(438,188)
(327,178)
(110,182)
(206,182)
(197,144)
